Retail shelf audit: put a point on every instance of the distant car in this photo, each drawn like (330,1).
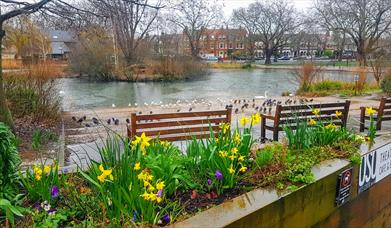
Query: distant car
(210,58)
(284,58)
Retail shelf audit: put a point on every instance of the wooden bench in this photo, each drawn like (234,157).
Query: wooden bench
(289,116)
(383,114)
(178,126)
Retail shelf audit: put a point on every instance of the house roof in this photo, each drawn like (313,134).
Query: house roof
(59,48)
(61,36)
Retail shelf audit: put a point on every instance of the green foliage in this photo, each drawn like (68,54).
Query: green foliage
(41,137)
(385,84)
(318,134)
(9,164)
(10,210)
(327,85)
(247,66)
(39,181)
(328,53)
(263,157)
(218,163)
(134,182)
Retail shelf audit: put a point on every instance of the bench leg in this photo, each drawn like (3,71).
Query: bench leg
(263,129)
(378,125)
(275,135)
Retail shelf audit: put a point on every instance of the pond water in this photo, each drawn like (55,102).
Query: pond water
(225,84)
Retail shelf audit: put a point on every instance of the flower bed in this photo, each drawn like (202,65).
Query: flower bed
(152,182)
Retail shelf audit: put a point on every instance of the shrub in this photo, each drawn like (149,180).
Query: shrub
(385,84)
(33,93)
(305,76)
(328,85)
(9,163)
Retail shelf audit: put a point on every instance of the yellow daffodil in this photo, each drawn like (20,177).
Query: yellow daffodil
(234,150)
(237,138)
(370,111)
(143,141)
(311,122)
(331,126)
(225,127)
(164,143)
(141,176)
(244,120)
(145,195)
(46,169)
(316,111)
(243,169)
(338,114)
(105,173)
(146,183)
(160,185)
(241,158)
(231,170)
(223,153)
(101,178)
(137,166)
(38,177)
(255,118)
(37,171)
(217,140)
(158,199)
(232,157)
(152,196)
(151,188)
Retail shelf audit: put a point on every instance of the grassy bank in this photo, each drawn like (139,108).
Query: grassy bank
(330,87)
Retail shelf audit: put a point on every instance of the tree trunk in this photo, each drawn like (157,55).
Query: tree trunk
(361,54)
(5,114)
(268,56)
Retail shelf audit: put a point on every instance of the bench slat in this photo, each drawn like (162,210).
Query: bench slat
(179,130)
(181,123)
(184,137)
(313,106)
(310,114)
(181,115)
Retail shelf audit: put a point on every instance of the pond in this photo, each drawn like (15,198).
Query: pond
(81,94)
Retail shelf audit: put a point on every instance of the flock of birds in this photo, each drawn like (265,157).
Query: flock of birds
(238,105)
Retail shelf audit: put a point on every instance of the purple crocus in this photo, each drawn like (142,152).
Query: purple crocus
(219,175)
(166,219)
(159,193)
(55,192)
(209,182)
(134,215)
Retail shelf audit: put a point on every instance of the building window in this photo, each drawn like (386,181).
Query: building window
(221,45)
(212,46)
(231,46)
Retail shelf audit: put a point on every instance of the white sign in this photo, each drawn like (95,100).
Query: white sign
(383,162)
(375,166)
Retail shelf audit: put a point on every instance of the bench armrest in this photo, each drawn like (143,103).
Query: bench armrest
(267,117)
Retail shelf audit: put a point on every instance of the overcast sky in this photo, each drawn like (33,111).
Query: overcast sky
(229,5)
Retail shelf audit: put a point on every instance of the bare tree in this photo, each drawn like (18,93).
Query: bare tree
(239,17)
(194,17)
(131,22)
(364,21)
(275,21)
(15,8)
